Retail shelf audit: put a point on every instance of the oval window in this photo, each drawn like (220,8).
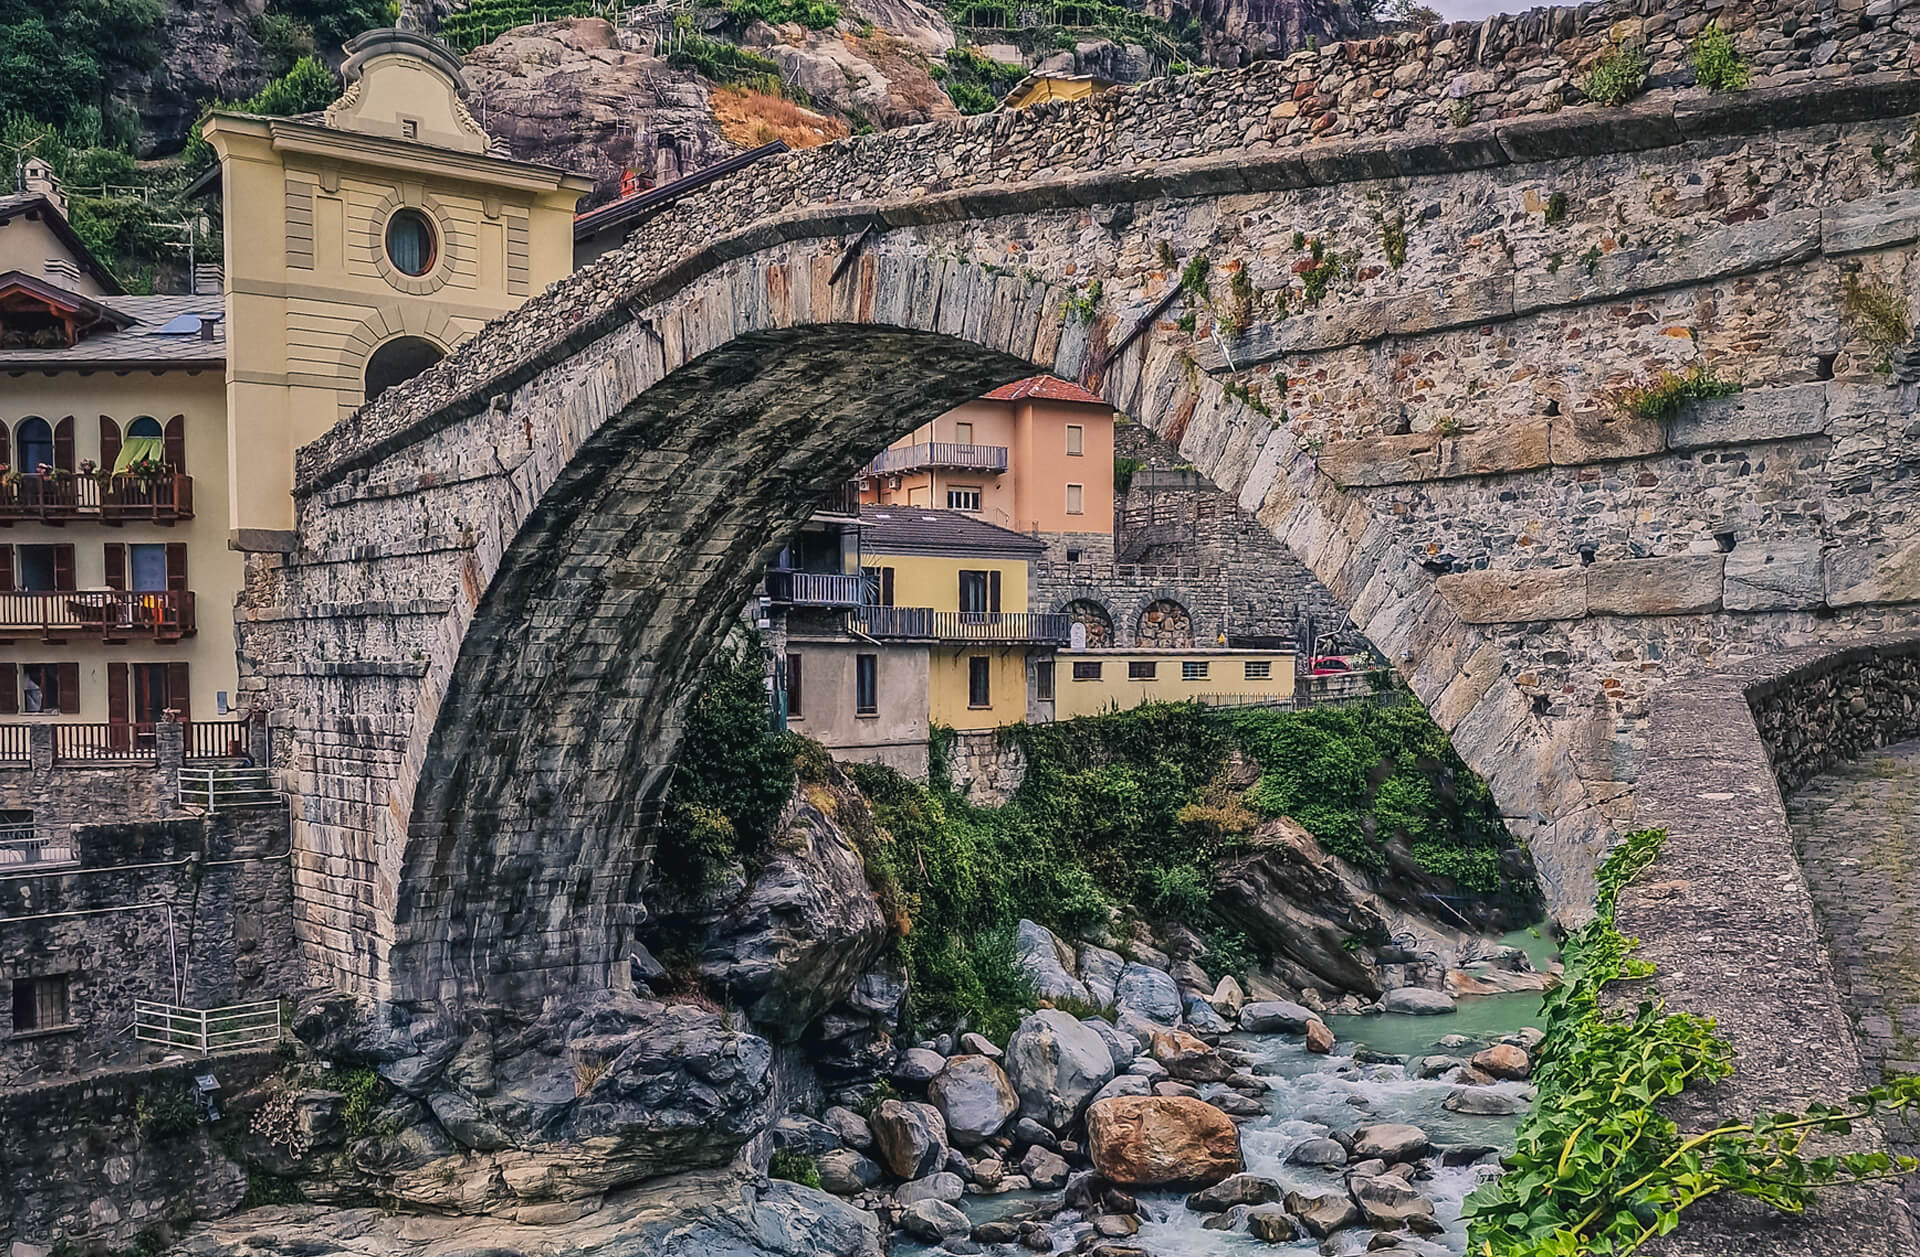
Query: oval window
(410,243)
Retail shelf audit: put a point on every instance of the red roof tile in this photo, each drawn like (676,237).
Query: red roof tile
(1043,388)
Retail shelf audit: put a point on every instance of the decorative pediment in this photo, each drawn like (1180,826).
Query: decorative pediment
(404,86)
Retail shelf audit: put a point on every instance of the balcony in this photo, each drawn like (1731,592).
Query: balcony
(107,615)
(938,455)
(816,589)
(842,502)
(118,500)
(928,625)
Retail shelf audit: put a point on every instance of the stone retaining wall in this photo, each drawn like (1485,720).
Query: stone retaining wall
(984,769)
(1726,916)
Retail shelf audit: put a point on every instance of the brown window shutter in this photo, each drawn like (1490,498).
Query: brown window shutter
(68,679)
(117,693)
(6,567)
(993,591)
(175,446)
(63,571)
(9,689)
(177,566)
(177,690)
(63,444)
(109,442)
(116,565)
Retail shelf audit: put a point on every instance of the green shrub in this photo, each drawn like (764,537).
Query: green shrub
(56,56)
(270,1189)
(1617,77)
(1717,64)
(816,15)
(1880,313)
(795,1167)
(1123,472)
(165,1111)
(366,1094)
(974,81)
(1663,397)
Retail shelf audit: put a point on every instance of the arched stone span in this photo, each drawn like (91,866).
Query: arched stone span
(484,702)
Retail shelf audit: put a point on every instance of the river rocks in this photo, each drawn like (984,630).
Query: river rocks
(1417,1000)
(1503,1060)
(975,1097)
(797,1133)
(849,1126)
(1241,1189)
(1391,1142)
(934,1221)
(1319,1038)
(979,1045)
(845,1172)
(1270,1224)
(1484,1102)
(945,1185)
(1323,1152)
(1148,994)
(1202,1019)
(1322,1215)
(1276,1017)
(1228,999)
(1188,1058)
(1388,1203)
(1044,1168)
(917,1066)
(1154,1141)
(1123,1047)
(1047,961)
(910,1139)
(1124,1085)
(1100,969)
(1056,1064)
(1289,895)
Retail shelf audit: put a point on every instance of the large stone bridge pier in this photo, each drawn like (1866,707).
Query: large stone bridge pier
(510,571)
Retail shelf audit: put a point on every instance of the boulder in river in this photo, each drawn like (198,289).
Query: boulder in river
(1323,1152)
(1386,1202)
(1228,999)
(1483,1102)
(1319,1038)
(1188,1058)
(1322,1215)
(945,1185)
(1149,994)
(1044,1169)
(1161,1141)
(1270,1224)
(845,1172)
(1276,1017)
(1503,1060)
(1056,1064)
(910,1138)
(975,1097)
(1391,1142)
(1241,1189)
(1417,1000)
(934,1221)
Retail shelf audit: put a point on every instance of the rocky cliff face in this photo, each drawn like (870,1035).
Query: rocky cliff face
(1237,32)
(208,52)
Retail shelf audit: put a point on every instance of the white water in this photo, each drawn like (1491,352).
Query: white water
(1311,1095)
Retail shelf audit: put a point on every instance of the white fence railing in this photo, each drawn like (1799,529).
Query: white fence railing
(20,847)
(207,1029)
(226,789)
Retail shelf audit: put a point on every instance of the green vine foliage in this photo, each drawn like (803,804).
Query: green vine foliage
(1597,1167)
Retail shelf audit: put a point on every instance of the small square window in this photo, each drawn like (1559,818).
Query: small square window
(963,434)
(1086,669)
(1142,670)
(963,500)
(1076,499)
(1193,670)
(1259,669)
(40,1003)
(1076,439)
(1073,556)
(410,129)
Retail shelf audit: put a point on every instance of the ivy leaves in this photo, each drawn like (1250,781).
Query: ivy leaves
(1597,1167)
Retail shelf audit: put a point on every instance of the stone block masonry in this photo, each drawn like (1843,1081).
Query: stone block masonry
(481,708)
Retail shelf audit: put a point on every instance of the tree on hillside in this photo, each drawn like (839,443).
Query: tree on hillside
(55,55)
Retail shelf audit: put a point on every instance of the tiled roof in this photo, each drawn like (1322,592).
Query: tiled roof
(923,530)
(144,341)
(1044,388)
(25,202)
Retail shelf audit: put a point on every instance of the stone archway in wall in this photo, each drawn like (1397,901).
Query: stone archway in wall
(1093,618)
(1163,624)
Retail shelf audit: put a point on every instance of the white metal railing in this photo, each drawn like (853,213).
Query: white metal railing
(19,846)
(225,789)
(207,1029)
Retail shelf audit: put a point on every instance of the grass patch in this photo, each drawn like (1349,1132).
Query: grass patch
(1717,64)
(1617,77)
(1663,397)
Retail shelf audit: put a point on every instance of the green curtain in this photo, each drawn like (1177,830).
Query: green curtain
(135,448)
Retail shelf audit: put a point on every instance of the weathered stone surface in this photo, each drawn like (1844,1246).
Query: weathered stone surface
(1390,460)
(1678,584)
(1872,222)
(1148,994)
(1319,1038)
(934,1221)
(1418,1000)
(909,1138)
(1503,1060)
(945,1185)
(1100,969)
(974,1096)
(1484,1102)
(1859,575)
(1276,1017)
(1156,1141)
(845,1172)
(1775,576)
(1735,250)
(1322,1215)
(1241,1189)
(917,1066)
(1123,1047)
(1056,1064)
(1390,1141)
(1770,414)
(1387,1202)
(1048,962)
(849,1126)
(1512,597)
(1189,1059)
(1044,1168)
(1318,1152)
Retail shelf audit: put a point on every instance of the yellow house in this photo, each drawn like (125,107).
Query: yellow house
(1093,681)
(361,247)
(149,439)
(1036,88)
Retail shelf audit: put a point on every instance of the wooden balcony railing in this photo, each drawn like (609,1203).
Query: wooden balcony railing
(816,589)
(58,499)
(126,743)
(112,615)
(217,739)
(926,624)
(943,454)
(14,746)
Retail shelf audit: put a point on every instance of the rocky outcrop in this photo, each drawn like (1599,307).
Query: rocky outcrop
(705,1214)
(209,52)
(1048,963)
(910,1138)
(1159,1141)
(1236,32)
(1056,1065)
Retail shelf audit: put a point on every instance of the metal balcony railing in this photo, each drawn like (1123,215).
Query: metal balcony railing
(207,1029)
(941,454)
(112,615)
(926,624)
(19,847)
(227,789)
(816,589)
(115,500)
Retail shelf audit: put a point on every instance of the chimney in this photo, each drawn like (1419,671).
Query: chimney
(37,176)
(207,324)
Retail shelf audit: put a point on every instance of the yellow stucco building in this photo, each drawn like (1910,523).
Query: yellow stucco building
(1093,681)
(150,439)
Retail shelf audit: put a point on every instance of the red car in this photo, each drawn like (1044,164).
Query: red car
(1328,665)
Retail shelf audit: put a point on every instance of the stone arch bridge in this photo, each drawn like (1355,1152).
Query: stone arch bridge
(509,571)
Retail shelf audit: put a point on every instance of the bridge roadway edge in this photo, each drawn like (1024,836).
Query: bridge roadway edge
(1726,916)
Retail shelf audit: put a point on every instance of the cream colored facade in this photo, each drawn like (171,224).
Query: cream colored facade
(314,288)
(1088,682)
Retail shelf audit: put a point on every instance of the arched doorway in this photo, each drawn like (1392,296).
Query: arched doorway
(398,361)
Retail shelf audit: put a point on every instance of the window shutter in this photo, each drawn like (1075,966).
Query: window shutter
(175,446)
(993,591)
(109,442)
(9,689)
(116,565)
(886,587)
(63,444)
(177,566)
(177,690)
(63,572)
(117,693)
(68,679)
(6,567)
(794,696)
